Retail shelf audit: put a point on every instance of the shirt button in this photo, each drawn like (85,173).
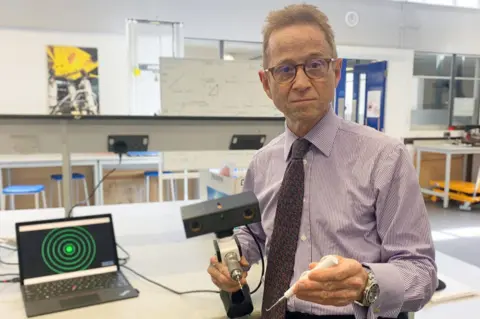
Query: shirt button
(303,238)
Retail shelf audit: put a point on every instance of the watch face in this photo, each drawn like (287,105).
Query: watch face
(373,293)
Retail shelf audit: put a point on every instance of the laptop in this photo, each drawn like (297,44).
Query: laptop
(69,263)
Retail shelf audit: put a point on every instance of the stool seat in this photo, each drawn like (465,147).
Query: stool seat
(137,154)
(23,189)
(59,177)
(154,173)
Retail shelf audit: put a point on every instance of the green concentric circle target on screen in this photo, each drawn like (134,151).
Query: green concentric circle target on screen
(68,249)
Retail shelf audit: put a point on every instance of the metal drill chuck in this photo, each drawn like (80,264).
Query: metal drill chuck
(233,265)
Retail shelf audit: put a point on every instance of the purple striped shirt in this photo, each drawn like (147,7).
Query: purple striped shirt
(362,201)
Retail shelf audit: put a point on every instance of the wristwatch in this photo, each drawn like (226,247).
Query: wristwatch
(371,292)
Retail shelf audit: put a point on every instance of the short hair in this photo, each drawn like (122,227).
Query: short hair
(297,14)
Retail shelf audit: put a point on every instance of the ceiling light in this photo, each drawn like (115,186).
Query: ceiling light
(228,57)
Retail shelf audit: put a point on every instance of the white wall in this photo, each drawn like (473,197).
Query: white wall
(396,29)
(382,23)
(25,78)
(24,72)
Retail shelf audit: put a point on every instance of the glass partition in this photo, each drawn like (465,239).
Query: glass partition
(446,89)
(235,50)
(202,48)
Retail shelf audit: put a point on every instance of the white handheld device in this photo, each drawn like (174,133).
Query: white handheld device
(325,262)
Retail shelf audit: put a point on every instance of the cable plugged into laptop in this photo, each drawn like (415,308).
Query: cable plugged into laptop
(10,281)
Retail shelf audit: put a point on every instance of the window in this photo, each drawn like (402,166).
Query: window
(468,3)
(201,48)
(431,90)
(435,2)
(458,3)
(442,98)
(234,50)
(466,90)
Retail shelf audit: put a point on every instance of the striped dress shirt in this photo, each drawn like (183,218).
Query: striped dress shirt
(362,201)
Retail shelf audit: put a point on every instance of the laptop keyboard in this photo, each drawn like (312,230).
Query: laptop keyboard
(64,287)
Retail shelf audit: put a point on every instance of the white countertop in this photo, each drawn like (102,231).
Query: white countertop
(153,235)
(447,148)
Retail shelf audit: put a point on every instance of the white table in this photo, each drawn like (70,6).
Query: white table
(153,235)
(182,266)
(448,150)
(97,161)
(9,162)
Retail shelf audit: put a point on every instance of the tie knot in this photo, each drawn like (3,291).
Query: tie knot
(300,148)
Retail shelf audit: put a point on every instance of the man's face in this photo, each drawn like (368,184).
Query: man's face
(304,99)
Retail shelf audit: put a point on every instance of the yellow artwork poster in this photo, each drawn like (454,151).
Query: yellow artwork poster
(73,81)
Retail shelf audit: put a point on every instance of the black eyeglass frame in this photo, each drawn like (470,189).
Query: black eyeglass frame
(328,61)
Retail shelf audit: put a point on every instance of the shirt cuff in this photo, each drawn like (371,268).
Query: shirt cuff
(392,291)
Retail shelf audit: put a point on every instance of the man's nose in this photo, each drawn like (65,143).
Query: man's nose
(301,81)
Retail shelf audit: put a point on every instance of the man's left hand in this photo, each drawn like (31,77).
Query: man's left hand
(338,286)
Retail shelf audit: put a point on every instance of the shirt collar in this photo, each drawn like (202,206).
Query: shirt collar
(322,135)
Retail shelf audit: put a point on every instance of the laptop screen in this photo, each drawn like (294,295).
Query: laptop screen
(62,249)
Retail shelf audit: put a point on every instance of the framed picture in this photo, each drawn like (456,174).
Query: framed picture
(73,81)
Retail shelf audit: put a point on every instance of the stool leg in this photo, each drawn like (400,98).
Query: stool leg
(168,192)
(185,185)
(12,202)
(172,189)
(147,188)
(59,192)
(50,195)
(85,187)
(44,199)
(4,198)
(37,201)
(77,191)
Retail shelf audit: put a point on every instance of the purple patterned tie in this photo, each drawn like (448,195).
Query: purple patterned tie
(281,255)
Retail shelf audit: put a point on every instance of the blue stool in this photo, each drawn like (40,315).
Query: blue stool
(15,190)
(142,154)
(150,174)
(76,177)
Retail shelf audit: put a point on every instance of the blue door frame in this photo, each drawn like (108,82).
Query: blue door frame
(375,87)
(341,87)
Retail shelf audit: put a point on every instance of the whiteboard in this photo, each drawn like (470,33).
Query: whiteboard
(194,87)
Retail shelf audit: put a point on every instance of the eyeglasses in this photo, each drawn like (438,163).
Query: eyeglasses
(315,69)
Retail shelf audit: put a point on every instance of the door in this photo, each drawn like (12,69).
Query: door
(371,82)
(340,91)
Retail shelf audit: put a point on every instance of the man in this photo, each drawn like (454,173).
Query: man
(327,186)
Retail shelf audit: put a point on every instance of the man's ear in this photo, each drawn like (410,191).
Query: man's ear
(338,71)
(266,86)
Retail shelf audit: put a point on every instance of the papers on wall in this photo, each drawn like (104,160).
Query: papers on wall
(374,100)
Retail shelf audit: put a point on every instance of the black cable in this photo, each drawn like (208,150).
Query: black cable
(170,289)
(8,264)
(69,215)
(8,248)
(124,259)
(261,257)
(10,281)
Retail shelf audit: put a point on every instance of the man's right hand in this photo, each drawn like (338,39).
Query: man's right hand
(221,278)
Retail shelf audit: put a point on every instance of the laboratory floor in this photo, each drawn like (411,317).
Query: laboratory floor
(456,233)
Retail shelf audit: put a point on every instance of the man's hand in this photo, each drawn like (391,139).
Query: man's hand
(338,286)
(221,278)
